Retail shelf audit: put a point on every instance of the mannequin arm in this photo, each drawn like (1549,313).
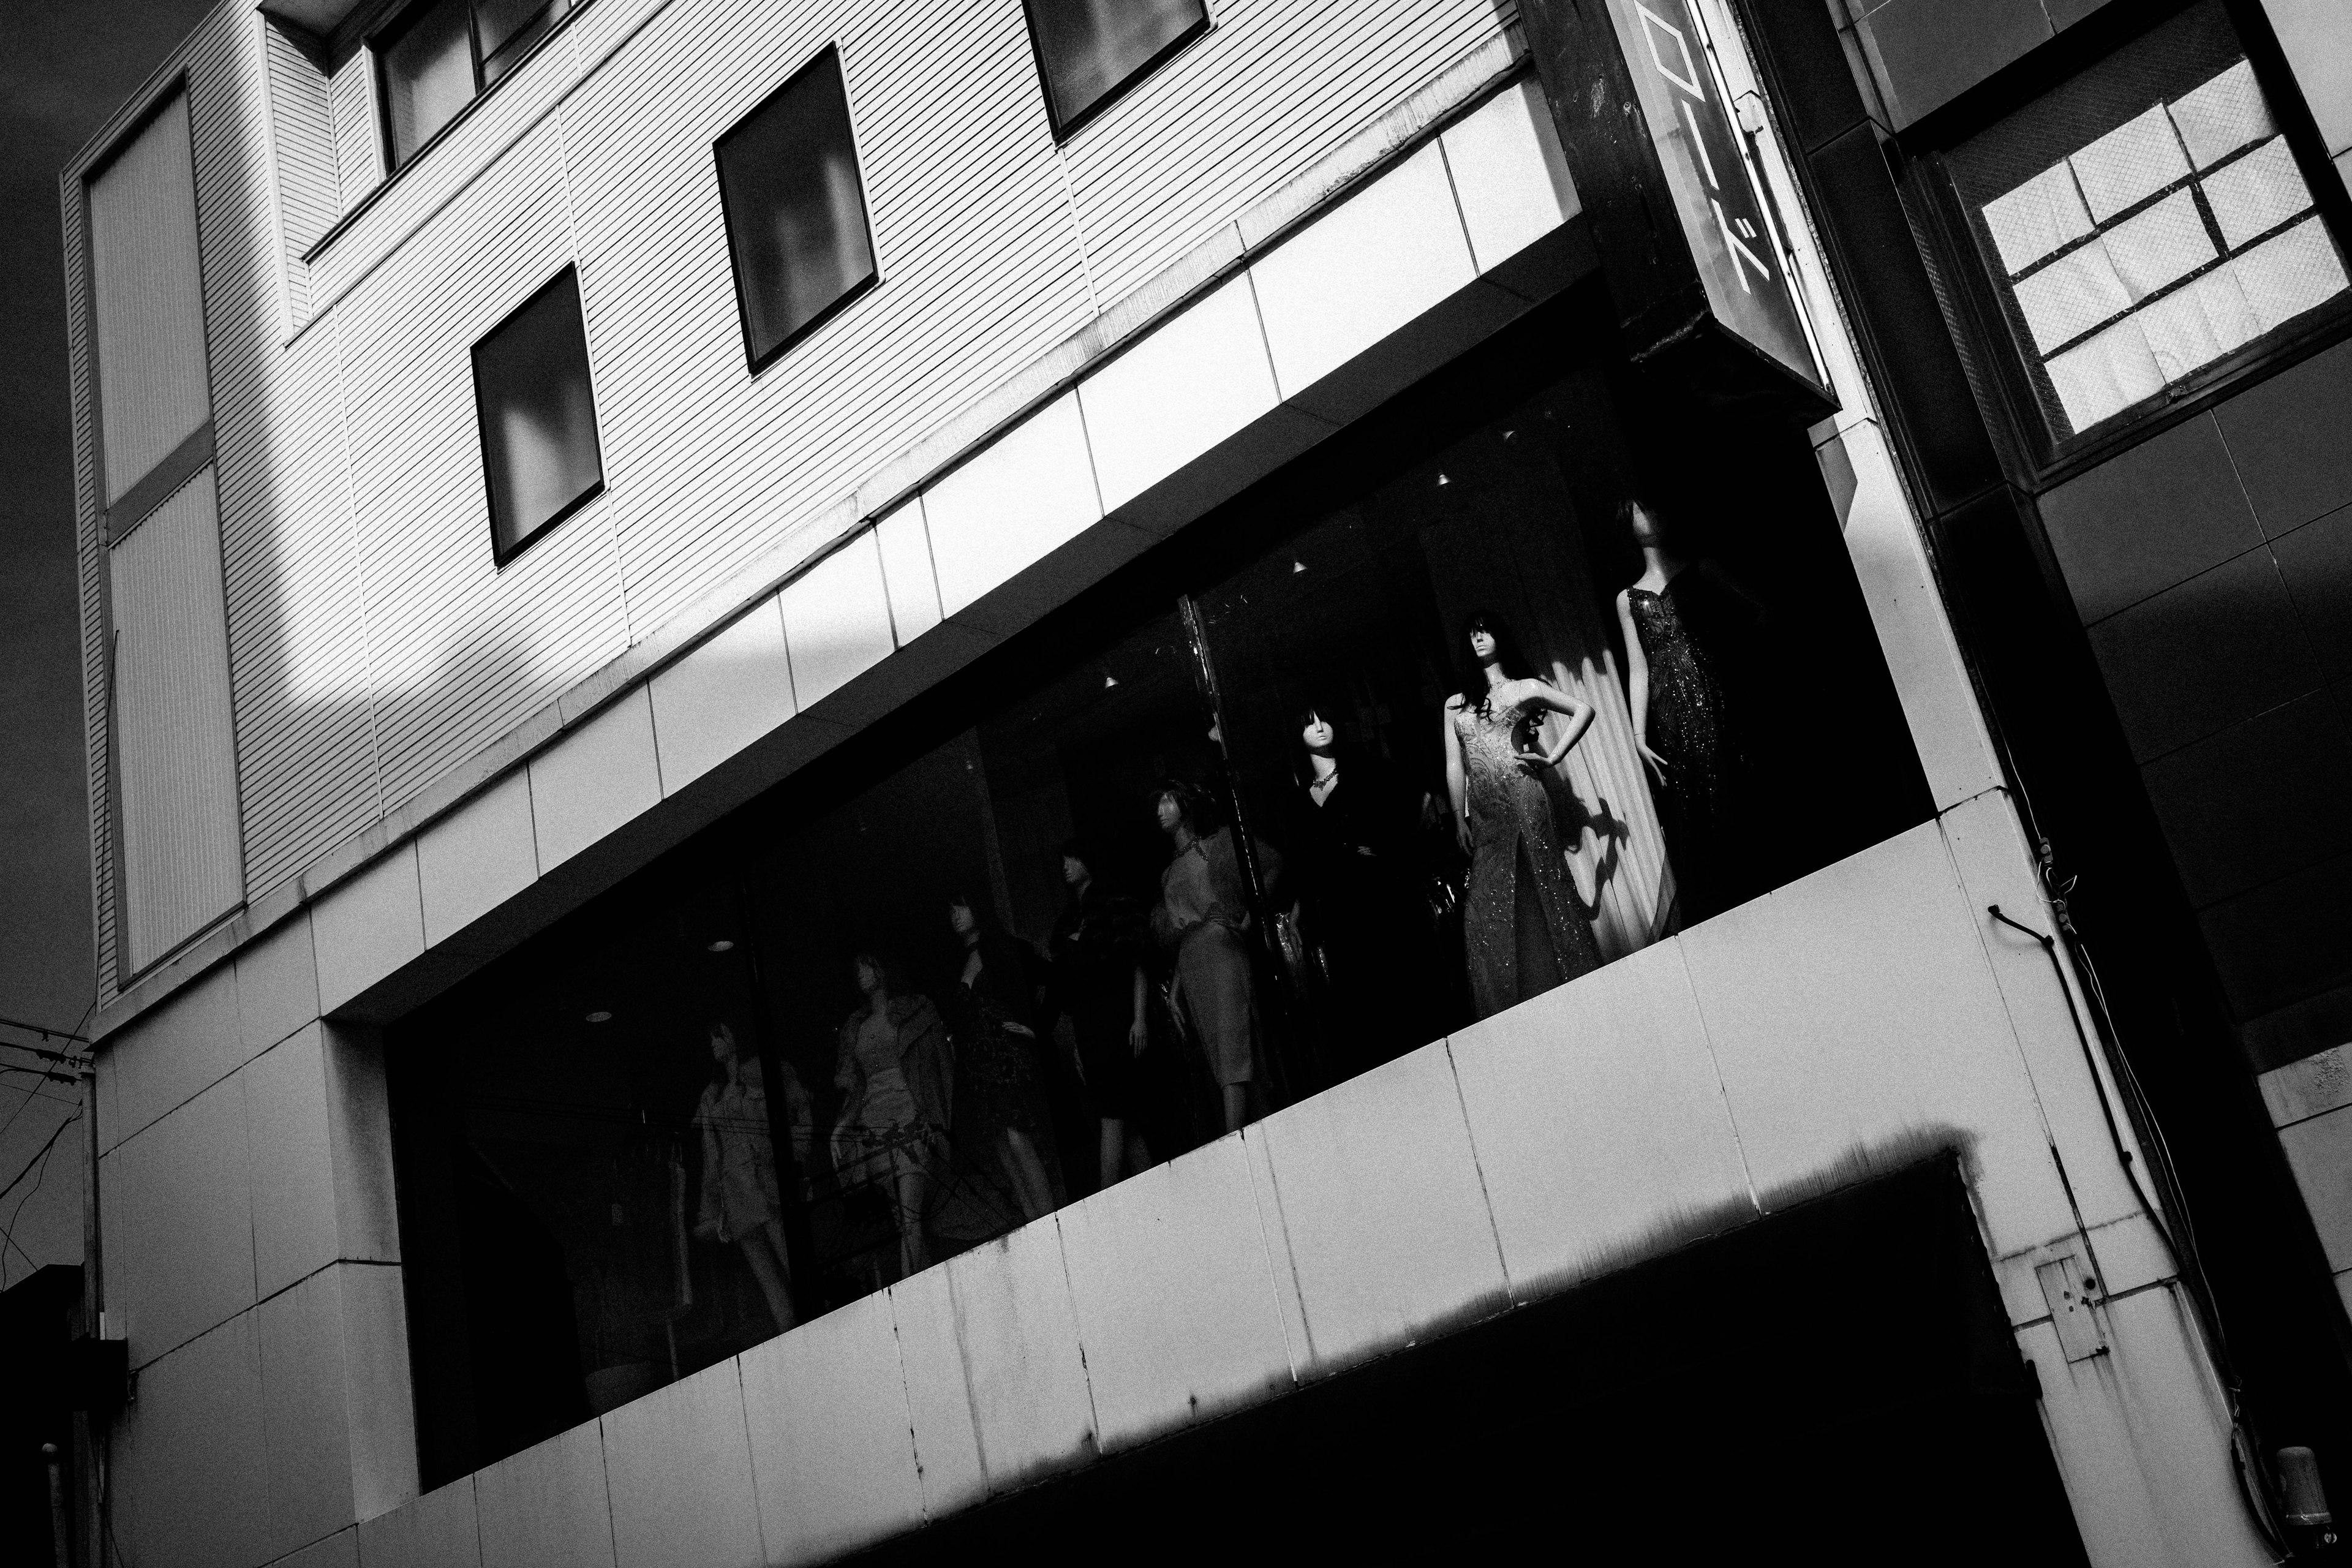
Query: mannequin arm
(1637,682)
(706,1215)
(1580,720)
(1138,1029)
(1454,786)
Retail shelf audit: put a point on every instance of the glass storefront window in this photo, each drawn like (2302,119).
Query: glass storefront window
(1430,723)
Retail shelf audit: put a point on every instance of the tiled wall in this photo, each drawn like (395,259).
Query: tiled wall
(2213,567)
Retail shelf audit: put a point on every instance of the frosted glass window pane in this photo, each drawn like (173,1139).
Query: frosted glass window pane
(537,415)
(2129,163)
(2193,326)
(2107,374)
(2166,242)
(2286,276)
(2071,296)
(2257,192)
(2036,219)
(2222,116)
(428,75)
(1090,49)
(795,210)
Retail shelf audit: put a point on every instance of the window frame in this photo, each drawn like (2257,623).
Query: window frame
(755,361)
(1978,318)
(1063,130)
(501,554)
(396,25)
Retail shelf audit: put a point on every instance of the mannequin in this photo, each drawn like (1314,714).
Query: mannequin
(1098,983)
(1359,903)
(739,1201)
(1524,929)
(1003,1119)
(894,1064)
(1204,916)
(1682,623)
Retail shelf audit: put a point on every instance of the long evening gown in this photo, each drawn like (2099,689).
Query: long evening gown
(1523,928)
(1692,728)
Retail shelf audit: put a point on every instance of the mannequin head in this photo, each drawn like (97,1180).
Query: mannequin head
(1317,732)
(1639,516)
(1487,639)
(725,1056)
(871,975)
(1178,806)
(1078,863)
(964,917)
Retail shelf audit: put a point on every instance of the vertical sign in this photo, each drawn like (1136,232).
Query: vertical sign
(1714,191)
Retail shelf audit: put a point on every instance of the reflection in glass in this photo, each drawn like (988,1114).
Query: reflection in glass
(1090,47)
(538,414)
(795,210)
(428,75)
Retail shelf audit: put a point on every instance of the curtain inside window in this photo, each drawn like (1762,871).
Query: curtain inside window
(1091,46)
(795,207)
(429,77)
(538,417)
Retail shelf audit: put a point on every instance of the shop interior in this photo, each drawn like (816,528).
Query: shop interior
(1528,670)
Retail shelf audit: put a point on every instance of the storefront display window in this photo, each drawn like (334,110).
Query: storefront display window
(1431,723)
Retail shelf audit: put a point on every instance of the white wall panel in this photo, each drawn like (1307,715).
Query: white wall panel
(150,297)
(1276,85)
(182,860)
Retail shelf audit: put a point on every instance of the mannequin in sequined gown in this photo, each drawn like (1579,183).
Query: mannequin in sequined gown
(1682,625)
(1524,927)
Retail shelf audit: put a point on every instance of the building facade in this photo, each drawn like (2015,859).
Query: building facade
(1314,768)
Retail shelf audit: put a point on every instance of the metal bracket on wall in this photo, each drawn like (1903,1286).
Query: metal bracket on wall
(2070,1292)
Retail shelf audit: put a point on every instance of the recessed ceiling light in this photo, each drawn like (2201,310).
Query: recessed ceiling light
(723,945)
(599,1016)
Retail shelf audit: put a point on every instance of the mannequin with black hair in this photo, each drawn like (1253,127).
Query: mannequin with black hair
(1358,880)
(1002,1115)
(740,1200)
(1684,626)
(1098,985)
(1524,927)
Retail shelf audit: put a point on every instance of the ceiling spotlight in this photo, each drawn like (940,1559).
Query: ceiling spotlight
(1296,567)
(722,944)
(600,1015)
(1444,480)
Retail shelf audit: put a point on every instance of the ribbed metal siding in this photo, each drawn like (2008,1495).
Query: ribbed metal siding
(460,651)
(303,144)
(151,322)
(980,264)
(1276,85)
(359,141)
(182,864)
(305,751)
(89,574)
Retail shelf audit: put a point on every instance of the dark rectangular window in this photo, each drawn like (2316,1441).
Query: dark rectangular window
(441,55)
(795,210)
(538,414)
(1089,51)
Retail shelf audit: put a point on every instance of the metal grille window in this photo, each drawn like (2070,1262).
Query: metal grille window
(2145,221)
(795,210)
(540,452)
(1089,51)
(442,55)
